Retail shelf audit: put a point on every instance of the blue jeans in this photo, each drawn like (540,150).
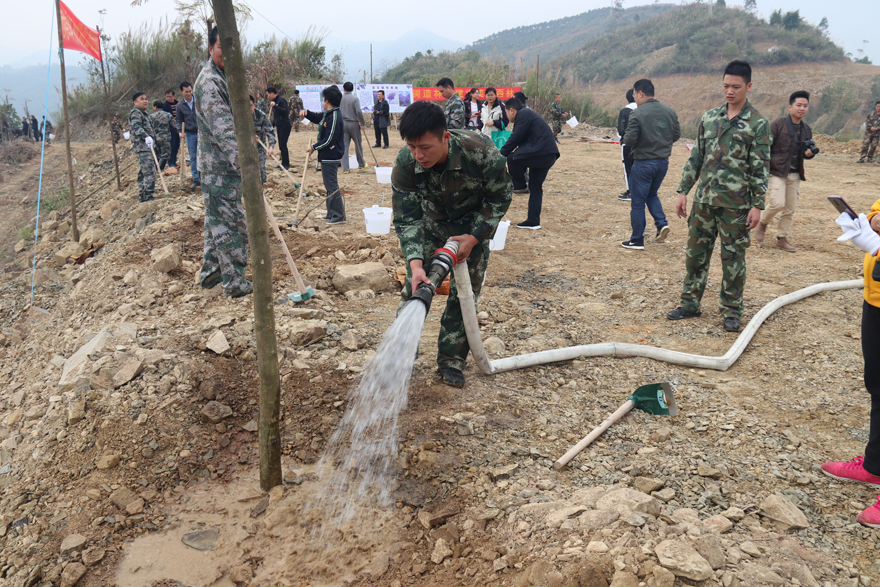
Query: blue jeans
(644,181)
(192,145)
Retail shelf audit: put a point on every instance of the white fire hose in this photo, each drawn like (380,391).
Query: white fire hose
(620,349)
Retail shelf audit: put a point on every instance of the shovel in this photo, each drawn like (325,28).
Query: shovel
(304,292)
(657,399)
(159,171)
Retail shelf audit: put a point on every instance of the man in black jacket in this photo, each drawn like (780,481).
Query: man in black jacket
(281,119)
(531,147)
(330,150)
(626,151)
(170,106)
(189,129)
(381,119)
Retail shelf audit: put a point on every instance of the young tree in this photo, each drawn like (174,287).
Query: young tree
(792,20)
(776,17)
(751,5)
(823,25)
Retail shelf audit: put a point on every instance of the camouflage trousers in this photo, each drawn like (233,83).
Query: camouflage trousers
(869,144)
(226,236)
(557,127)
(146,175)
(452,344)
(705,224)
(163,152)
(262,155)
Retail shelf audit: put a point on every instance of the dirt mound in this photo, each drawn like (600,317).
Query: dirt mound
(830,146)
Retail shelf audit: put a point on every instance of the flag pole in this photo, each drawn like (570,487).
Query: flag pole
(107,114)
(74,231)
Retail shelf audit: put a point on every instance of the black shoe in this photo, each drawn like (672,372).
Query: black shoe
(325,217)
(376,146)
(662,233)
(337,221)
(385,147)
(633,245)
(521,191)
(680,314)
(195,184)
(731,324)
(528,225)
(451,377)
(625,196)
(213,280)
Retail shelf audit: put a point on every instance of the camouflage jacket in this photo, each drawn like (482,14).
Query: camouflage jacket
(218,151)
(262,105)
(556,111)
(162,124)
(140,128)
(730,159)
(872,122)
(264,129)
(469,196)
(296,106)
(455,112)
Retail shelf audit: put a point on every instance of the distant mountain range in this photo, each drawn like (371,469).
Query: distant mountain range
(28,85)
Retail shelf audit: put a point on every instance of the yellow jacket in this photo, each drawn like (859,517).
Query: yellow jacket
(872,280)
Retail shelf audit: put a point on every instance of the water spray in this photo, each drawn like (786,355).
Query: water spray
(439,266)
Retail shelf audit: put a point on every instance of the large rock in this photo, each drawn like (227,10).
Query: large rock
(632,499)
(218,343)
(681,558)
(441,551)
(63,255)
(215,412)
(305,332)
(783,511)
(122,497)
(710,548)
(166,259)
(594,520)
(77,364)
(624,579)
(73,543)
(91,236)
(128,371)
(72,573)
(754,574)
(372,276)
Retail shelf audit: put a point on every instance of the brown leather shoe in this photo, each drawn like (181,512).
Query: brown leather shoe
(760,232)
(782,243)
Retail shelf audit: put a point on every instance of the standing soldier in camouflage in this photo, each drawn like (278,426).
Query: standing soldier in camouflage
(143,137)
(454,110)
(116,129)
(296,106)
(162,125)
(731,161)
(872,135)
(447,185)
(557,116)
(266,133)
(226,237)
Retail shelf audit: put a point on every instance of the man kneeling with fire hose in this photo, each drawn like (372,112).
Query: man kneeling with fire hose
(447,186)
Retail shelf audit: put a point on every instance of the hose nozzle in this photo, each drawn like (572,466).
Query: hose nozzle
(439,266)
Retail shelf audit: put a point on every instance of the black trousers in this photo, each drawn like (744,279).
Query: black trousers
(381,132)
(537,168)
(871,356)
(283,135)
(627,153)
(175,147)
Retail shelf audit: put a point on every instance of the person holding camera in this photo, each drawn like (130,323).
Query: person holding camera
(792,143)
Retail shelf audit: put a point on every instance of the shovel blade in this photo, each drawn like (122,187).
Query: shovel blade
(300,296)
(656,398)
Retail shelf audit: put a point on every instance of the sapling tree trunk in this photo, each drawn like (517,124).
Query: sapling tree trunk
(258,238)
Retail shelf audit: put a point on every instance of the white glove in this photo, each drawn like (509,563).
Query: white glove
(859,232)
(149,141)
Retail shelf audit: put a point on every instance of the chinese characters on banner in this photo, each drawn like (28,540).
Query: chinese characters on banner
(77,36)
(503,93)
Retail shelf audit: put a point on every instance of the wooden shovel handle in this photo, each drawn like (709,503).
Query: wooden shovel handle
(589,438)
(290,263)
(159,171)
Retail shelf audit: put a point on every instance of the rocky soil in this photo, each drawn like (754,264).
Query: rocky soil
(128,401)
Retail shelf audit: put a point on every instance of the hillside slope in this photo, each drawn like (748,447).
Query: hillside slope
(695,39)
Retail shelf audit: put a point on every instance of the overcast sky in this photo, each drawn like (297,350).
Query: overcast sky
(28,23)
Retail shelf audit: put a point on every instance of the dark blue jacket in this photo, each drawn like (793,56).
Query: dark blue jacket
(531,137)
(329,145)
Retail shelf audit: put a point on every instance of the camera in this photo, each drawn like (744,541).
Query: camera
(811,145)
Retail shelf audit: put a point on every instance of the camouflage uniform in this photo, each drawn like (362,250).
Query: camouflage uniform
(261,105)
(456,115)
(115,130)
(556,116)
(226,236)
(266,133)
(296,106)
(140,128)
(731,160)
(470,196)
(162,124)
(869,144)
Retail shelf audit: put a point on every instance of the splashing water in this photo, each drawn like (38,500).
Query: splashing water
(355,471)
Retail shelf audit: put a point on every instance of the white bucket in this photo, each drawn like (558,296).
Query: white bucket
(352,162)
(383,174)
(496,243)
(378,219)
(572,122)
(126,134)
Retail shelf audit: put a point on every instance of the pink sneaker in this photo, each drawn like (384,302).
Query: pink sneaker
(870,516)
(852,471)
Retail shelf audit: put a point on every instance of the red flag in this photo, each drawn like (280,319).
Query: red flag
(77,36)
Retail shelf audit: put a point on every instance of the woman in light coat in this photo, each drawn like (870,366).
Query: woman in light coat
(493,114)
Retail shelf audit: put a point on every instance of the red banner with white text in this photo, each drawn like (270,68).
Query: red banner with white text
(503,93)
(76,36)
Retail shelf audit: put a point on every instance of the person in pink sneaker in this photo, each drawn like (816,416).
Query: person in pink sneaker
(863,233)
